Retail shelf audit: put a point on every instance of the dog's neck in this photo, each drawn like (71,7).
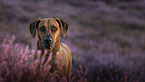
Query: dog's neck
(55,49)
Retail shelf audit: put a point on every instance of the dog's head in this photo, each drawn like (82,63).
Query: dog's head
(49,30)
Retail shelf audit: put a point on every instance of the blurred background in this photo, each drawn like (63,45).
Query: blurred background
(107,37)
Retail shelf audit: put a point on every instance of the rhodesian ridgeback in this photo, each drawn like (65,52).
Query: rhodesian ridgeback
(49,31)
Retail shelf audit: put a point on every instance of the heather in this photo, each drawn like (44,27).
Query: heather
(106,37)
(19,64)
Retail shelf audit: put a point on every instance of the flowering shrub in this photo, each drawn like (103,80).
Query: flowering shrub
(18,64)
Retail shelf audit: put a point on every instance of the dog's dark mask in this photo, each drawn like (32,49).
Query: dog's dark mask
(48,42)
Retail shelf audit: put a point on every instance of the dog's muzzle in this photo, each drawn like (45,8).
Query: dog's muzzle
(47,43)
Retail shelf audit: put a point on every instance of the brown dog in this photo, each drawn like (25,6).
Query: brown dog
(49,30)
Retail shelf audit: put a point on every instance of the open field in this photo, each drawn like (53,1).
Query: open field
(106,38)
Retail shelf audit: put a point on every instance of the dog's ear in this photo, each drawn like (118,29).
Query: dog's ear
(63,26)
(33,26)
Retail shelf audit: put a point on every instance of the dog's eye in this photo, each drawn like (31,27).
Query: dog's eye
(42,29)
(53,28)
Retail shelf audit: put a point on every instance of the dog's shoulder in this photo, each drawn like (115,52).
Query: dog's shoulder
(66,50)
(65,47)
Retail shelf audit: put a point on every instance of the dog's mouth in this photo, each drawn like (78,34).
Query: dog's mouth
(47,46)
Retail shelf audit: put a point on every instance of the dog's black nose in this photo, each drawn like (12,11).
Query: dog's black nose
(48,39)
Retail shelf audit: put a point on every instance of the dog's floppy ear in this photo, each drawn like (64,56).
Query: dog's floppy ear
(33,26)
(63,26)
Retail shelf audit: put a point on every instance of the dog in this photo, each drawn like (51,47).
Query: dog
(49,31)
